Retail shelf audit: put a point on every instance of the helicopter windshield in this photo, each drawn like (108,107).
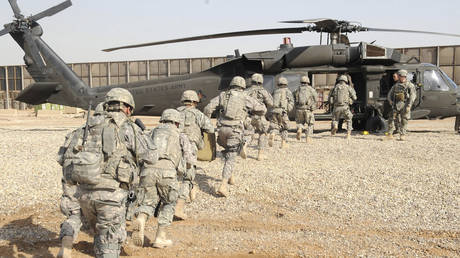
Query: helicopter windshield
(432,80)
(449,80)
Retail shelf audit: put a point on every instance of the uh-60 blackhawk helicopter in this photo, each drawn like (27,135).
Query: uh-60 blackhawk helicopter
(370,67)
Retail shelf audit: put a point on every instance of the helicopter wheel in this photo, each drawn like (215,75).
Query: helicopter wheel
(376,124)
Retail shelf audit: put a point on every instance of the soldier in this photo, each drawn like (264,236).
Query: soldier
(194,123)
(70,206)
(259,123)
(305,101)
(234,106)
(159,182)
(401,97)
(283,102)
(105,161)
(342,96)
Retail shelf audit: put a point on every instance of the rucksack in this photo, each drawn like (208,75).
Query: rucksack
(280,99)
(234,105)
(302,98)
(191,128)
(341,95)
(167,142)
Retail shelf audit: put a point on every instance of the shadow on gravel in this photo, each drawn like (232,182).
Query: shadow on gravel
(203,182)
(27,237)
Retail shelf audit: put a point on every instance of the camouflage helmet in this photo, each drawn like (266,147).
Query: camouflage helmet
(120,95)
(189,95)
(257,78)
(171,115)
(99,109)
(238,81)
(343,78)
(305,80)
(282,81)
(402,73)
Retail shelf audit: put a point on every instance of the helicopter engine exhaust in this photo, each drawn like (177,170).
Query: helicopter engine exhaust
(335,55)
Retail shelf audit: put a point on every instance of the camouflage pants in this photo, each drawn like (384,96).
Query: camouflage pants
(401,118)
(260,126)
(105,212)
(342,112)
(158,183)
(186,183)
(230,138)
(70,207)
(305,116)
(279,122)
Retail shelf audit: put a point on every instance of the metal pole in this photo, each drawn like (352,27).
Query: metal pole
(90,73)
(7,106)
(169,67)
(148,69)
(127,71)
(437,56)
(108,74)
(190,65)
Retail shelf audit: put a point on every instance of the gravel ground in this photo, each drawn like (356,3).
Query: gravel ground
(331,197)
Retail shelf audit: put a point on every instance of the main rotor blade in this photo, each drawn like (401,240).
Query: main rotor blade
(4,31)
(308,20)
(16,10)
(215,36)
(410,31)
(51,11)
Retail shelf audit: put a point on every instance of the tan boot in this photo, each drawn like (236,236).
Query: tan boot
(138,229)
(402,137)
(307,138)
(223,189)
(66,247)
(348,135)
(179,212)
(299,134)
(388,137)
(283,144)
(231,180)
(243,151)
(271,138)
(160,240)
(193,192)
(334,130)
(260,155)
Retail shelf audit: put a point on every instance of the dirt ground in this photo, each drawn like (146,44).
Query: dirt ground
(263,227)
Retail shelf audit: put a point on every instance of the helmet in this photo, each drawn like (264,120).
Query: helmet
(170,115)
(257,78)
(121,95)
(99,108)
(189,95)
(343,78)
(402,72)
(282,81)
(238,81)
(305,80)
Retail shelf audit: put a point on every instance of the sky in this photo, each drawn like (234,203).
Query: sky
(79,33)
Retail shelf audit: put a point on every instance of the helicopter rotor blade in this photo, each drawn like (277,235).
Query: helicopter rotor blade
(409,31)
(16,10)
(218,35)
(51,11)
(4,31)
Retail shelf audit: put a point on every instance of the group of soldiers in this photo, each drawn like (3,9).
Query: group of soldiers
(111,165)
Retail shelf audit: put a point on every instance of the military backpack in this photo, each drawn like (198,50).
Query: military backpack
(280,100)
(341,94)
(234,105)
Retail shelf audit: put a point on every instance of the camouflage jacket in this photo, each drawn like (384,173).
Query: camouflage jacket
(409,93)
(310,95)
(193,123)
(261,94)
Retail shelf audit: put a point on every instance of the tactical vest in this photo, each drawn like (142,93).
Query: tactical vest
(255,92)
(303,97)
(341,95)
(103,161)
(234,105)
(191,128)
(280,99)
(400,93)
(166,139)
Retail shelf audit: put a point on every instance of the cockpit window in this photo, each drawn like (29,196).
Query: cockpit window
(449,80)
(432,80)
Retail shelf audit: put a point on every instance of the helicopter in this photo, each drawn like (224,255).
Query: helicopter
(369,67)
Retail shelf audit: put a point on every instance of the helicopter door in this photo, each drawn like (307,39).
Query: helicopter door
(438,96)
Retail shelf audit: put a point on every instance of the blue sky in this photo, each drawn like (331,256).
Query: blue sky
(79,33)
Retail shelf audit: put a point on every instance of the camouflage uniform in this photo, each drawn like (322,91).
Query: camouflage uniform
(401,97)
(283,102)
(257,123)
(305,101)
(159,182)
(234,106)
(125,147)
(342,96)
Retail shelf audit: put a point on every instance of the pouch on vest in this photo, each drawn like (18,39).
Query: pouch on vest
(341,95)
(280,99)
(234,105)
(302,96)
(86,167)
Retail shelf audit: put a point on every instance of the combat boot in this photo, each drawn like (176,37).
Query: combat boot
(160,240)
(260,155)
(307,138)
(299,134)
(283,144)
(348,135)
(231,180)
(334,130)
(138,229)
(243,151)
(402,137)
(193,192)
(179,213)
(223,189)
(270,139)
(66,247)
(388,137)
